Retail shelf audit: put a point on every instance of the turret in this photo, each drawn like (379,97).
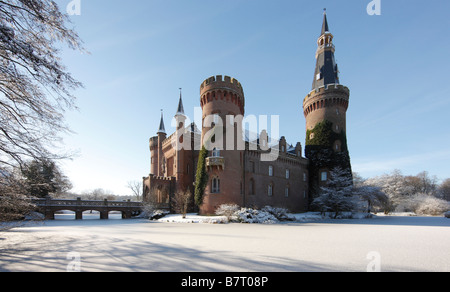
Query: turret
(161,137)
(325,109)
(222,99)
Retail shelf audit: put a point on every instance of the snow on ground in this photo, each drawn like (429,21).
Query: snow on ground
(393,243)
(195,218)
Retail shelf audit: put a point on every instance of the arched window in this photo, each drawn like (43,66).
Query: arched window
(215,185)
(270,190)
(270,170)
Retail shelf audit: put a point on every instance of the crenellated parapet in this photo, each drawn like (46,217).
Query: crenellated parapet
(222,88)
(153,143)
(331,95)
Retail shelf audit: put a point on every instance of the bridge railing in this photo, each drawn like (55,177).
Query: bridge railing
(82,203)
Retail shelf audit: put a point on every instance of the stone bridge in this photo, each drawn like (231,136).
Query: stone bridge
(48,207)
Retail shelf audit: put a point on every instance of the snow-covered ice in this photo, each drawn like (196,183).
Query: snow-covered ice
(403,243)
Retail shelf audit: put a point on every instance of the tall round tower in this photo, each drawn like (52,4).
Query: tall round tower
(222,99)
(325,109)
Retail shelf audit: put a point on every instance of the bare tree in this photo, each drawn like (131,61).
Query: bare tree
(136,188)
(444,190)
(35,88)
(181,201)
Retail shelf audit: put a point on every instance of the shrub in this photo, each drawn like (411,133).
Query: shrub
(266,215)
(248,215)
(227,210)
(423,204)
(279,213)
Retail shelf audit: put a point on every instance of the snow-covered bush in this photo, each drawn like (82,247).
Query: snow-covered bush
(429,205)
(423,204)
(265,215)
(279,213)
(248,215)
(227,210)
(157,214)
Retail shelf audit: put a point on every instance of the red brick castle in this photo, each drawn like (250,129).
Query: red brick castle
(252,171)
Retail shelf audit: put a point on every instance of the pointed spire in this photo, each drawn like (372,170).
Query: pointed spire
(162,129)
(180,110)
(326,71)
(325,22)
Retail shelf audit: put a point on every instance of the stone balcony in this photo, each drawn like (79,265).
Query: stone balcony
(215,162)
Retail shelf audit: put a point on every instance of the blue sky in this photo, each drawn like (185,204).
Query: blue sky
(396,66)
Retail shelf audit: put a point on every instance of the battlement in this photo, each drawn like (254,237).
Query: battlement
(225,89)
(329,88)
(330,95)
(153,142)
(219,81)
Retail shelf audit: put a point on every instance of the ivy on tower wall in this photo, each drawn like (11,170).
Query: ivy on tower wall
(319,150)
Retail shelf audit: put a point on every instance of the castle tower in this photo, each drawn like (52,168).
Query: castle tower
(156,149)
(222,99)
(180,149)
(325,109)
(161,137)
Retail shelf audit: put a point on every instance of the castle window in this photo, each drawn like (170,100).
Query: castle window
(304,176)
(251,187)
(270,170)
(215,185)
(216,152)
(270,190)
(288,173)
(282,148)
(286,192)
(323,176)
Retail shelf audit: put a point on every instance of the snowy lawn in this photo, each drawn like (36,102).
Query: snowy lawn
(391,243)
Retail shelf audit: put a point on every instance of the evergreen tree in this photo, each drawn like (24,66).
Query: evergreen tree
(337,196)
(201,178)
(43,177)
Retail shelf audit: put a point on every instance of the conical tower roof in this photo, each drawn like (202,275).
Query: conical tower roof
(180,110)
(161,129)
